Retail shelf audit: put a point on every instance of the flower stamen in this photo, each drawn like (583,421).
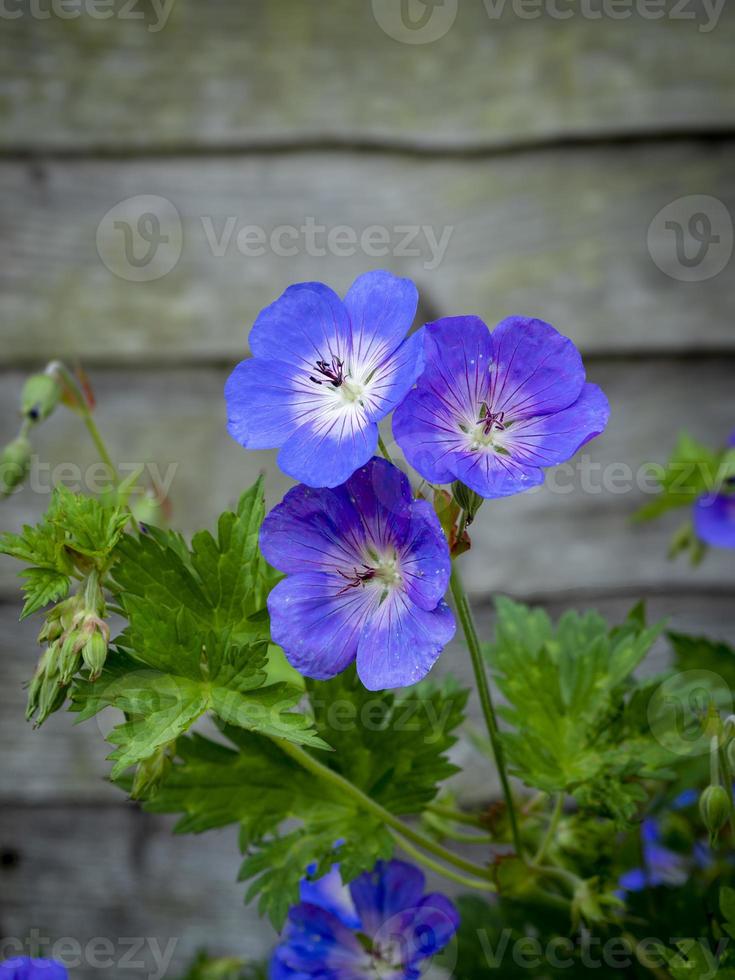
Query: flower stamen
(332,372)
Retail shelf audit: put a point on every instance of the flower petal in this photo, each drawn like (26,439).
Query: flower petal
(425,562)
(313,530)
(328,449)
(391,887)
(317,628)
(317,942)
(381,309)
(428,435)
(381,496)
(458,354)
(306,323)
(536,369)
(401,642)
(431,927)
(265,401)
(328,892)
(550,439)
(493,475)
(394,377)
(714,520)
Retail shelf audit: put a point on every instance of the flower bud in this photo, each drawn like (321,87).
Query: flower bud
(15,461)
(715,806)
(69,656)
(40,396)
(467,499)
(94,654)
(151,772)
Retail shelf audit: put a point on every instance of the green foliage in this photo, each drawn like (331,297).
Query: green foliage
(693,469)
(258,786)
(699,653)
(699,959)
(205,967)
(575,724)
(393,747)
(196,640)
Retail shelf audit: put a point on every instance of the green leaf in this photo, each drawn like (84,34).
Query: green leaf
(693,469)
(259,787)
(569,709)
(42,586)
(161,706)
(196,640)
(90,527)
(700,653)
(391,746)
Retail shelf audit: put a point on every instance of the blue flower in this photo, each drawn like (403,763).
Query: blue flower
(492,409)
(323,374)
(25,968)
(662,866)
(367,569)
(714,515)
(381,926)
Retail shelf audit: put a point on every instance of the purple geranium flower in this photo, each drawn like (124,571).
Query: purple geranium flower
(367,570)
(662,866)
(714,516)
(491,409)
(381,926)
(323,374)
(25,968)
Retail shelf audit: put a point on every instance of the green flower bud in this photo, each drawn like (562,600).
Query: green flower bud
(15,461)
(69,655)
(41,394)
(467,499)
(94,654)
(151,771)
(715,806)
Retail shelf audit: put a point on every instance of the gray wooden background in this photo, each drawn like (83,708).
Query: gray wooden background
(539,150)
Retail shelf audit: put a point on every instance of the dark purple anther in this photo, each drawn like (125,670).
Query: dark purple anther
(334,372)
(490,420)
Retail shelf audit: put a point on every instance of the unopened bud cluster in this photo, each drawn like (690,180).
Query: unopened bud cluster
(77,637)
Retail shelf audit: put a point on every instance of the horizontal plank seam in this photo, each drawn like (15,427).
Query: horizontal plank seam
(484,602)
(199,362)
(483,149)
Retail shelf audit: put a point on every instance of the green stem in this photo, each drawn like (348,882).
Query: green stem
(486,886)
(58,367)
(553,824)
(465,617)
(384,449)
(328,775)
(458,816)
(462,838)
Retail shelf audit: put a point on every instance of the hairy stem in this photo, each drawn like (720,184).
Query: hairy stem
(465,617)
(328,775)
(486,886)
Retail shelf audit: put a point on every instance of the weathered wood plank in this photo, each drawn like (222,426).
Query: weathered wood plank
(230,72)
(562,235)
(112,875)
(571,534)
